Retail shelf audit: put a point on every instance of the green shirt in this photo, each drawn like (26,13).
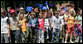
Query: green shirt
(79,18)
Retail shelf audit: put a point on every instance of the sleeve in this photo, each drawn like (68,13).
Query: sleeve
(30,21)
(61,21)
(25,20)
(37,22)
(8,21)
(76,17)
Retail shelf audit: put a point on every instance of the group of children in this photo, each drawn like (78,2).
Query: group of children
(40,26)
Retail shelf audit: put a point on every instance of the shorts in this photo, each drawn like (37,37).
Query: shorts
(70,29)
(78,30)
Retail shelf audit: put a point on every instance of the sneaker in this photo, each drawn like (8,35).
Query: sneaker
(47,37)
(65,41)
(76,40)
(80,41)
(62,40)
(71,42)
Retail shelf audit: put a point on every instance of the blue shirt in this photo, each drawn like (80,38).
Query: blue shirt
(33,21)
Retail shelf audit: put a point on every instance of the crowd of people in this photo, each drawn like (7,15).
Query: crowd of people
(40,26)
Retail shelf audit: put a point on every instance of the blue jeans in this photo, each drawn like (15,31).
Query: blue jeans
(32,34)
(23,34)
(56,33)
(15,34)
(40,36)
(5,36)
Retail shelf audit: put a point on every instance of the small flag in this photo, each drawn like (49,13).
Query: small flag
(46,3)
(28,8)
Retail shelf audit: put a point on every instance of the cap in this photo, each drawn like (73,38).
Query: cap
(12,11)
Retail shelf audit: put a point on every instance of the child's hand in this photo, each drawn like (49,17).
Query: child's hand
(53,30)
(34,25)
(20,24)
(27,25)
(8,35)
(44,29)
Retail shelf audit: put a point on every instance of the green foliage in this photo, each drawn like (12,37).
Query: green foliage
(31,3)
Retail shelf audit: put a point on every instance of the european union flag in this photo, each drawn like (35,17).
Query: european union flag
(28,8)
(44,8)
(40,5)
(46,3)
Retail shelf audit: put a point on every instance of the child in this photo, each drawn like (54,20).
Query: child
(22,24)
(62,30)
(57,22)
(41,29)
(5,31)
(78,27)
(46,26)
(33,22)
(70,26)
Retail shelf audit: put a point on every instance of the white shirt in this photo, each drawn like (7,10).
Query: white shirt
(46,23)
(62,20)
(52,21)
(4,25)
(57,23)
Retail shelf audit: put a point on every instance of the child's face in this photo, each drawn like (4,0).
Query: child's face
(36,10)
(68,8)
(56,15)
(45,12)
(33,16)
(71,12)
(12,14)
(21,16)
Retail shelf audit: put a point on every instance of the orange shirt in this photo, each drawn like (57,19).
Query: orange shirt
(23,27)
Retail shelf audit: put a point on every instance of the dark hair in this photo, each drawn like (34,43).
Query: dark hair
(68,5)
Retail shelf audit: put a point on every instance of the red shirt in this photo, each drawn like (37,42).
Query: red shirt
(41,23)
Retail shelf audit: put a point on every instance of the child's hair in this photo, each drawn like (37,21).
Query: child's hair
(68,5)
(3,10)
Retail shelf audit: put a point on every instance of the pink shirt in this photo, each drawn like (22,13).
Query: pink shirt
(41,23)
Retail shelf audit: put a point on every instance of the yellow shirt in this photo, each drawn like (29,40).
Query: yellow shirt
(23,27)
(71,20)
(66,16)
